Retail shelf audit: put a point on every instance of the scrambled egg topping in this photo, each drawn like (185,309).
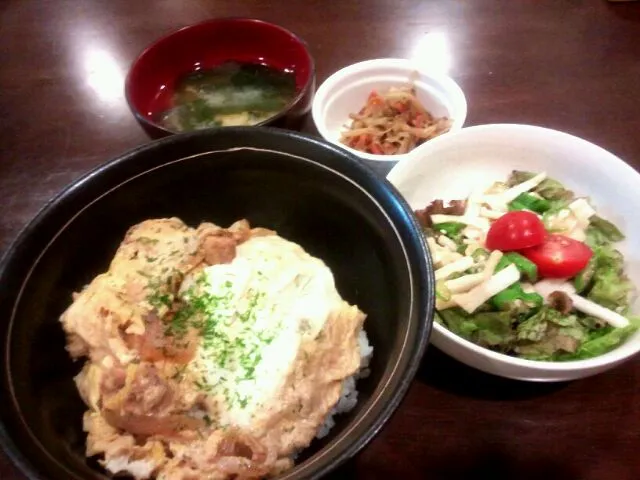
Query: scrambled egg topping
(210,352)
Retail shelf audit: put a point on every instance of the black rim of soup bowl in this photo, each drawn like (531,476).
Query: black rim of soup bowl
(22,443)
(298,107)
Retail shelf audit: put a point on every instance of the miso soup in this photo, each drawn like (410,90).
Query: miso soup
(230,94)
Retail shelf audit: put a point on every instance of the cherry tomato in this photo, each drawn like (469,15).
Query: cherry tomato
(516,230)
(559,256)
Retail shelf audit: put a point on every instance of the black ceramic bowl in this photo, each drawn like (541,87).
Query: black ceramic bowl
(309,191)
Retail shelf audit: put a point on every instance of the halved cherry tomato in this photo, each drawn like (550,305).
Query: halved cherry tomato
(559,256)
(515,231)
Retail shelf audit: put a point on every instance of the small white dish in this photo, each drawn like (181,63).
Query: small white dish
(346,92)
(450,166)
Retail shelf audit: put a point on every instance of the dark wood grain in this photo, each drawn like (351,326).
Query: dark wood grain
(571,65)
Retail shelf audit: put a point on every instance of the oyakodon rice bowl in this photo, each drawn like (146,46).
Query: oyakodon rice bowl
(212,353)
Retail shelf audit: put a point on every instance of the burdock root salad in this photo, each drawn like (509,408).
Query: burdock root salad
(529,269)
(212,353)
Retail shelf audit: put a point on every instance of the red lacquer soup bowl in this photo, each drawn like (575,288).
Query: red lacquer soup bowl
(153,75)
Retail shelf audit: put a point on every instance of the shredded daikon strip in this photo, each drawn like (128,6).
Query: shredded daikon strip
(547,287)
(464,283)
(491,214)
(440,255)
(456,267)
(492,263)
(471,300)
(447,243)
(500,200)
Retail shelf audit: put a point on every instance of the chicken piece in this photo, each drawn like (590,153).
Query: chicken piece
(116,307)
(147,404)
(122,453)
(153,259)
(218,245)
(155,345)
(228,453)
(163,249)
(94,321)
(142,391)
(237,453)
(89,382)
(219,248)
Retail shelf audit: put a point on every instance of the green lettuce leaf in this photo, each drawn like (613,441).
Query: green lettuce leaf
(592,324)
(458,322)
(494,329)
(551,189)
(519,176)
(487,329)
(609,258)
(548,333)
(610,286)
(603,340)
(595,237)
(611,290)
(605,228)
(548,189)
(534,328)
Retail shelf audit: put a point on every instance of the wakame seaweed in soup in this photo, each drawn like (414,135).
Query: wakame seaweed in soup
(230,94)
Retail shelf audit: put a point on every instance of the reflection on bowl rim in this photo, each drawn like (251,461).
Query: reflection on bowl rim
(143,53)
(345,72)
(536,366)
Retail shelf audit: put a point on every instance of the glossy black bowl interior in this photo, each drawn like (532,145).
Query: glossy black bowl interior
(310,192)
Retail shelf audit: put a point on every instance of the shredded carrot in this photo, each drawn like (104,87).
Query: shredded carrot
(376,148)
(393,123)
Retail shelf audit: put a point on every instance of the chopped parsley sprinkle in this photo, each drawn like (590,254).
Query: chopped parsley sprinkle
(231,342)
(159,299)
(203,385)
(242,400)
(179,373)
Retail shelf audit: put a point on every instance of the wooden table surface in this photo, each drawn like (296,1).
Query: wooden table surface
(573,65)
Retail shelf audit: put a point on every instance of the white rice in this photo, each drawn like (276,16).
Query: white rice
(349,396)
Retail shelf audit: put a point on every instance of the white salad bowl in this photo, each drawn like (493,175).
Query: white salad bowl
(346,92)
(449,167)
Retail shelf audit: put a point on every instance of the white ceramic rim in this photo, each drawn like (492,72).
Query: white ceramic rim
(613,357)
(399,63)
